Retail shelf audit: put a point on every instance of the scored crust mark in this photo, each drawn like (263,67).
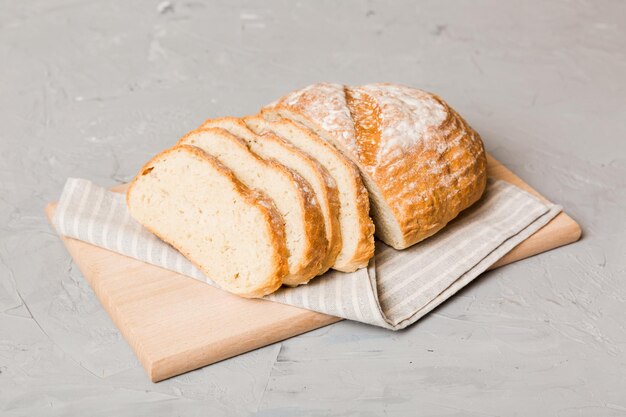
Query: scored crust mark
(365,114)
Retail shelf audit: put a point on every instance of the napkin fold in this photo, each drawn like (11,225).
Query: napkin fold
(395,290)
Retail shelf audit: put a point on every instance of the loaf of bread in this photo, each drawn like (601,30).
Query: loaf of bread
(421,162)
(270,146)
(283,196)
(233,234)
(292,196)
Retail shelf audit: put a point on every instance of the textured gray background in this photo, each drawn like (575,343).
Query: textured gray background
(93,89)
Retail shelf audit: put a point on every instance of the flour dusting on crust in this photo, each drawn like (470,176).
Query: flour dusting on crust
(407,114)
(325,103)
(426,162)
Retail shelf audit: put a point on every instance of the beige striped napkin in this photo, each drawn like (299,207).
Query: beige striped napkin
(396,289)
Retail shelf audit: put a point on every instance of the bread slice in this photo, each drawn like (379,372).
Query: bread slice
(357,229)
(294,199)
(270,146)
(233,234)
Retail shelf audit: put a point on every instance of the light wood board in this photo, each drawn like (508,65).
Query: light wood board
(176,324)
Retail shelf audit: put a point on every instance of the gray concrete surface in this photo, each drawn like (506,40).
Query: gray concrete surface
(93,89)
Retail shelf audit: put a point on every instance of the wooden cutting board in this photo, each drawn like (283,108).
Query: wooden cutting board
(176,324)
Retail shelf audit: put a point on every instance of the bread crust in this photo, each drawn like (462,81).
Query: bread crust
(426,178)
(330,195)
(421,161)
(364,248)
(274,223)
(314,231)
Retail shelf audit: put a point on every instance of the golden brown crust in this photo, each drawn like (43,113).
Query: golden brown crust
(335,240)
(364,249)
(467,160)
(422,163)
(273,223)
(329,200)
(218,122)
(428,172)
(314,230)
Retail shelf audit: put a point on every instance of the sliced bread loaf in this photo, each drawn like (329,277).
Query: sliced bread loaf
(270,146)
(294,199)
(421,162)
(233,234)
(357,229)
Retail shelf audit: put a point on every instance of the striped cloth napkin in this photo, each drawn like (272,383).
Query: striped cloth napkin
(394,291)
